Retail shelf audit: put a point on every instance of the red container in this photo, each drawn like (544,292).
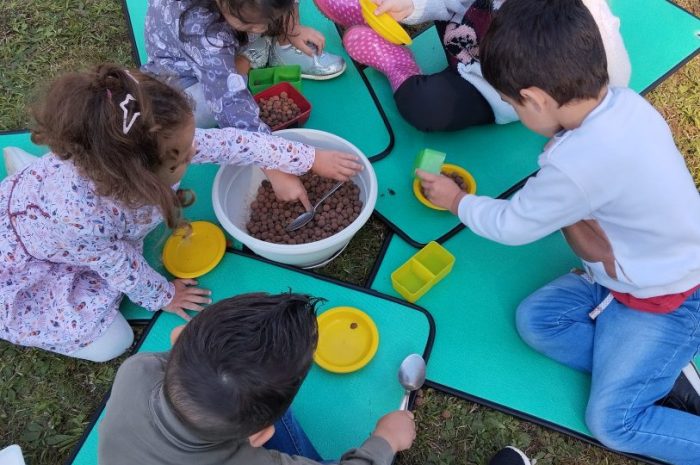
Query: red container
(295,96)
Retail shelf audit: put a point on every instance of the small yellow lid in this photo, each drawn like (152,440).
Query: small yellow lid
(347,340)
(384,24)
(197,254)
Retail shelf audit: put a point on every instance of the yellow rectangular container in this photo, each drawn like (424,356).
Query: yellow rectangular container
(422,271)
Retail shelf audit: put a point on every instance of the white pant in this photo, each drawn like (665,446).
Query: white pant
(113,342)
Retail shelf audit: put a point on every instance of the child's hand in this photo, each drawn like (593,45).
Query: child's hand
(187,297)
(397,9)
(335,165)
(398,429)
(301,36)
(288,188)
(441,190)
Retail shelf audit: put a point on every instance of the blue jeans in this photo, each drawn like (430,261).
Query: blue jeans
(634,358)
(289,438)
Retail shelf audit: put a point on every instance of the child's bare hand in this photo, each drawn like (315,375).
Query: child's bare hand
(301,36)
(398,429)
(397,9)
(441,190)
(187,297)
(288,188)
(335,165)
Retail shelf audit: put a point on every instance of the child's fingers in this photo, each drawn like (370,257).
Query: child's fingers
(304,199)
(182,314)
(427,177)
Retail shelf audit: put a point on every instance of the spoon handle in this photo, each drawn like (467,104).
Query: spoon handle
(328,194)
(404,401)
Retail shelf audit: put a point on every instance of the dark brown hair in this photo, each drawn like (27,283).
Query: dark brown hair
(551,44)
(80,119)
(236,367)
(279,14)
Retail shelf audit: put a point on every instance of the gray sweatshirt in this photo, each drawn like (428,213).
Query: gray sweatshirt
(139,427)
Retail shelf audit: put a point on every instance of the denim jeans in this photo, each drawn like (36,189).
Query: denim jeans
(634,358)
(290,438)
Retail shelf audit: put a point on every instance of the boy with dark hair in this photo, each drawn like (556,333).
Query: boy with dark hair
(224,391)
(613,181)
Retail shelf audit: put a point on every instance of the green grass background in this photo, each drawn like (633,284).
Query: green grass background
(46,400)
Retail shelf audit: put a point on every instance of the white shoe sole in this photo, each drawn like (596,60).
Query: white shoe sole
(314,77)
(521,454)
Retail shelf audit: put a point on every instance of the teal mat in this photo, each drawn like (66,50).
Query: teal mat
(500,156)
(477,353)
(342,106)
(198,178)
(338,412)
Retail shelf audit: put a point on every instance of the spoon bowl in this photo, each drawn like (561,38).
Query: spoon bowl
(411,376)
(303,219)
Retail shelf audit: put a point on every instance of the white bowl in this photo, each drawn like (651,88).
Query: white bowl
(235,187)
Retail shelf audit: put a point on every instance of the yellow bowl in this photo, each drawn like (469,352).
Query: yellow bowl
(449,169)
(347,340)
(384,24)
(197,254)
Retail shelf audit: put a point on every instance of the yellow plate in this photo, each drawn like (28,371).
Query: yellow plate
(198,254)
(447,168)
(347,340)
(384,25)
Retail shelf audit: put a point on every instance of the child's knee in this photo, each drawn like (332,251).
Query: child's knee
(528,321)
(607,424)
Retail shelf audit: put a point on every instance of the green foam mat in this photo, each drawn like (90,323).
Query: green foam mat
(338,412)
(199,178)
(477,353)
(342,106)
(501,156)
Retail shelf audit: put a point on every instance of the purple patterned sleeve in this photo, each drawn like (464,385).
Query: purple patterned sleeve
(236,147)
(97,245)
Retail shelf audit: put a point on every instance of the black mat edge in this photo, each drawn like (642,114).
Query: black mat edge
(130,32)
(441,239)
(426,352)
(535,420)
(98,411)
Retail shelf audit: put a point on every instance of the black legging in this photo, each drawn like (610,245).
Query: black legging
(443,101)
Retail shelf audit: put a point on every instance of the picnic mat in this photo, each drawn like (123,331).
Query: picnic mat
(338,412)
(501,156)
(199,178)
(342,106)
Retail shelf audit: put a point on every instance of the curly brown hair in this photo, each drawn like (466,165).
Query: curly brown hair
(79,118)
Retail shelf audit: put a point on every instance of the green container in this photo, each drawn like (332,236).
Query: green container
(262,78)
(422,271)
(429,160)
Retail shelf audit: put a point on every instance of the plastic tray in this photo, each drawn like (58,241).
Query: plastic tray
(264,78)
(292,93)
(422,271)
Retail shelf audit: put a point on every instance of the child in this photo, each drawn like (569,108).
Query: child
(615,184)
(72,223)
(458,96)
(224,391)
(197,42)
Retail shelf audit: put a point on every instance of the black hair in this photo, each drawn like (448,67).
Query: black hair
(237,366)
(554,45)
(279,13)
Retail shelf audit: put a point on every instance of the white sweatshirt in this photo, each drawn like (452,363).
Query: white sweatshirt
(620,179)
(619,67)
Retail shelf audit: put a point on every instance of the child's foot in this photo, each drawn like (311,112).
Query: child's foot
(318,67)
(257,52)
(684,395)
(343,12)
(510,456)
(367,47)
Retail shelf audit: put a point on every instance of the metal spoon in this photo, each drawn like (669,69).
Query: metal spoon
(411,376)
(305,217)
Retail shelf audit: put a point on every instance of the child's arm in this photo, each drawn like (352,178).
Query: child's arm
(237,147)
(300,36)
(548,202)
(420,11)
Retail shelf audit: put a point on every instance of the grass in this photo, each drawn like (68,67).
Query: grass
(46,400)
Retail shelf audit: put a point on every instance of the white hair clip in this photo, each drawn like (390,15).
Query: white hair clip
(126,71)
(127,127)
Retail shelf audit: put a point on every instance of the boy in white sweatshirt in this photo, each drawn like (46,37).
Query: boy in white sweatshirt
(614,182)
